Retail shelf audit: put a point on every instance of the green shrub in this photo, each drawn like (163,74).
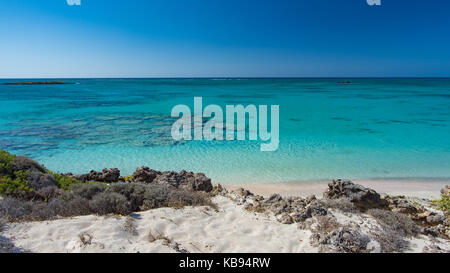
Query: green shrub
(151,196)
(34,193)
(127,178)
(6,163)
(22,163)
(47,193)
(75,206)
(132,191)
(181,198)
(65,182)
(16,185)
(444,203)
(87,191)
(110,202)
(13,209)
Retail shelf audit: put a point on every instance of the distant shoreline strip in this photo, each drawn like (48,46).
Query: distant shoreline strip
(36,83)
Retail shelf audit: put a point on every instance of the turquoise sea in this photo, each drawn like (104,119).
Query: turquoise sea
(371,128)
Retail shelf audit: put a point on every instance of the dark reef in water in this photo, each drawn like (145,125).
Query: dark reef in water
(37,83)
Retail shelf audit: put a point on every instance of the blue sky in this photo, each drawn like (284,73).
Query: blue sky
(224,38)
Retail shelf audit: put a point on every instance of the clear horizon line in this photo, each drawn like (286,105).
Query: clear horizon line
(224,77)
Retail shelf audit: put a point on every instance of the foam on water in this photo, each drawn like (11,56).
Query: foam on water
(372,128)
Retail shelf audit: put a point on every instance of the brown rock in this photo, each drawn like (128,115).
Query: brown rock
(144,175)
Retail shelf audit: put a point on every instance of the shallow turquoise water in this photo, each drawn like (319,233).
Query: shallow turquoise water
(372,128)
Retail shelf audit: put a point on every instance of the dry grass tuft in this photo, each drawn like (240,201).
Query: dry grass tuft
(86,238)
(130,226)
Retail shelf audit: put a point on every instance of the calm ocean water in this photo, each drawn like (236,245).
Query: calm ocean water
(372,128)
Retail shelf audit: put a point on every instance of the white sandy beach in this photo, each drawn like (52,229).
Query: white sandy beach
(198,229)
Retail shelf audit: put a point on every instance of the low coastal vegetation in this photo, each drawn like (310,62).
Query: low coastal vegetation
(444,203)
(2,225)
(33,193)
(393,231)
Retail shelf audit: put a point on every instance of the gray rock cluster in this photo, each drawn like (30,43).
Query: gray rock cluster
(182,180)
(287,210)
(144,175)
(362,197)
(432,223)
(106,175)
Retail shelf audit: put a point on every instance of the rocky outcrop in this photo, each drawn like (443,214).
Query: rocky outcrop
(432,222)
(185,180)
(243,192)
(181,180)
(287,210)
(363,198)
(401,204)
(107,176)
(431,218)
(347,198)
(144,175)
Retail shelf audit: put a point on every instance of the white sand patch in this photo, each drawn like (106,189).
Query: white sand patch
(195,229)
